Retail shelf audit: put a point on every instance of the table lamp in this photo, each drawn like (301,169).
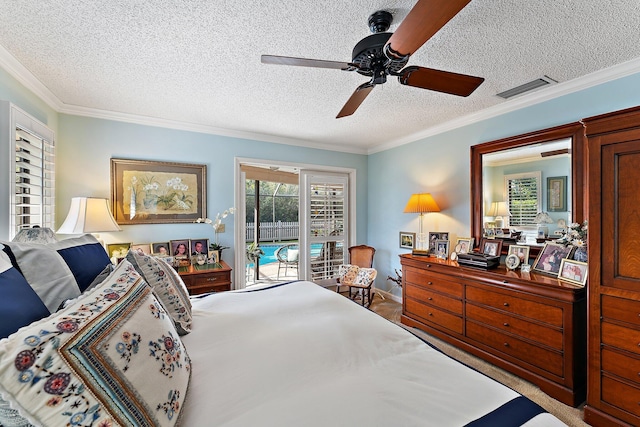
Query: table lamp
(499,210)
(89,215)
(421,203)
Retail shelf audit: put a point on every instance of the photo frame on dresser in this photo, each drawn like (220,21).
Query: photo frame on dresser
(550,258)
(491,247)
(435,236)
(573,271)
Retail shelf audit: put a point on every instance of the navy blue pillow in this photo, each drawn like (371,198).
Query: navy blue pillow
(19,304)
(85,262)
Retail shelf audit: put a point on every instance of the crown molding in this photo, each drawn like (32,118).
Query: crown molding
(525,100)
(25,77)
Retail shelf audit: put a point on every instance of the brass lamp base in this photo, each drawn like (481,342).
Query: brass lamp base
(420,252)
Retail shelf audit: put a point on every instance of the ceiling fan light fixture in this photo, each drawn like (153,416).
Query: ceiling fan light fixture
(529,86)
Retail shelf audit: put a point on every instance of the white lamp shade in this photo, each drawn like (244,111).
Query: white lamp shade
(88,215)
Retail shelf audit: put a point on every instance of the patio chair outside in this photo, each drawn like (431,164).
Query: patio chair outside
(287,257)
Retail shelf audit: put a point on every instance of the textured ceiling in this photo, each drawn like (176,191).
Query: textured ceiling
(196,64)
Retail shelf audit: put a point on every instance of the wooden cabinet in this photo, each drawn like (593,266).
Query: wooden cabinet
(530,324)
(202,280)
(613,395)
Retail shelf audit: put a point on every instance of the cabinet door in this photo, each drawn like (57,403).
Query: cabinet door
(620,214)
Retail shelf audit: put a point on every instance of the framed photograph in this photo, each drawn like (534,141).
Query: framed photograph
(491,247)
(442,249)
(433,237)
(521,251)
(144,248)
(573,271)
(557,194)
(550,257)
(199,246)
(490,232)
(118,250)
(407,240)
(147,192)
(179,248)
(161,249)
(464,245)
(214,257)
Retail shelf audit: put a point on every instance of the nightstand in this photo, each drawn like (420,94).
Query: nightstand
(202,279)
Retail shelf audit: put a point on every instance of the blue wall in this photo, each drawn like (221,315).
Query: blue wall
(438,164)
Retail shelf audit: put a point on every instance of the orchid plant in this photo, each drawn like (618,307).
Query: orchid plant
(216,224)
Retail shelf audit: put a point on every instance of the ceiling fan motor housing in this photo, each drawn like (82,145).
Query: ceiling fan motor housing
(369,56)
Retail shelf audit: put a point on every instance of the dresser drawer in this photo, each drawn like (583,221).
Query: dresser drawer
(621,395)
(621,337)
(434,281)
(513,304)
(431,314)
(621,309)
(544,359)
(518,326)
(621,365)
(434,298)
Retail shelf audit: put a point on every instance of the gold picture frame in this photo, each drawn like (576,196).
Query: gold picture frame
(151,192)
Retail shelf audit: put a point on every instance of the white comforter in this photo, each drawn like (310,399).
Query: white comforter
(301,355)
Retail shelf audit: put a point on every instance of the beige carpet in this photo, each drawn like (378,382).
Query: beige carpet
(392,310)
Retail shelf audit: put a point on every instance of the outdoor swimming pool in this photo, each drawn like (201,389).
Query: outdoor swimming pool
(270,251)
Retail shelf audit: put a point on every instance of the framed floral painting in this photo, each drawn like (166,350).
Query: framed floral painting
(148,192)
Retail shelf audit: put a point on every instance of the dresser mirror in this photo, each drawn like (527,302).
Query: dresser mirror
(528,174)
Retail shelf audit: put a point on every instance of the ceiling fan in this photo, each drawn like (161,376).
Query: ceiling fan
(383,53)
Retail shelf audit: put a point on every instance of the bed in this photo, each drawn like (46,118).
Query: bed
(299,354)
(134,349)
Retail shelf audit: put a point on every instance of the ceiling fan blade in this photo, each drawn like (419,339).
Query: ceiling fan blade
(441,81)
(356,99)
(423,21)
(303,62)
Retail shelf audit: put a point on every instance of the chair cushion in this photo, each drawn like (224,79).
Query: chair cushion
(112,357)
(292,255)
(19,304)
(347,273)
(167,286)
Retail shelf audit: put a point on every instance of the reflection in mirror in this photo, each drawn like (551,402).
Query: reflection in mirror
(526,188)
(520,184)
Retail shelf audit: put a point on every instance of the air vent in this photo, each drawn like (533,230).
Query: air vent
(543,81)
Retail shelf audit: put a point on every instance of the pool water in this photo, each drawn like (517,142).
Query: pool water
(270,252)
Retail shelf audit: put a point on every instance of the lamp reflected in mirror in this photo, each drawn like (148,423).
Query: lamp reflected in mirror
(499,211)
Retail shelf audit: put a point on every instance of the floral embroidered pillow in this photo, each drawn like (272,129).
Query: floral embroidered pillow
(112,357)
(348,273)
(168,287)
(365,276)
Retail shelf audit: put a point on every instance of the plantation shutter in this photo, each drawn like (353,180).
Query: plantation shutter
(34,194)
(325,224)
(523,196)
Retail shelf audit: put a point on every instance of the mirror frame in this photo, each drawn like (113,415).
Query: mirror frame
(575,131)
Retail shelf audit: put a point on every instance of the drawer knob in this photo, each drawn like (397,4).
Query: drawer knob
(211,279)
(429,283)
(505,324)
(505,281)
(506,304)
(430,314)
(430,299)
(428,265)
(506,344)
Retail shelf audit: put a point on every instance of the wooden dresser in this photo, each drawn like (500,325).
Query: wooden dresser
(529,324)
(200,280)
(613,396)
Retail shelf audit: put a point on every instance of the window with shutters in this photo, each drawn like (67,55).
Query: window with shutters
(523,196)
(31,153)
